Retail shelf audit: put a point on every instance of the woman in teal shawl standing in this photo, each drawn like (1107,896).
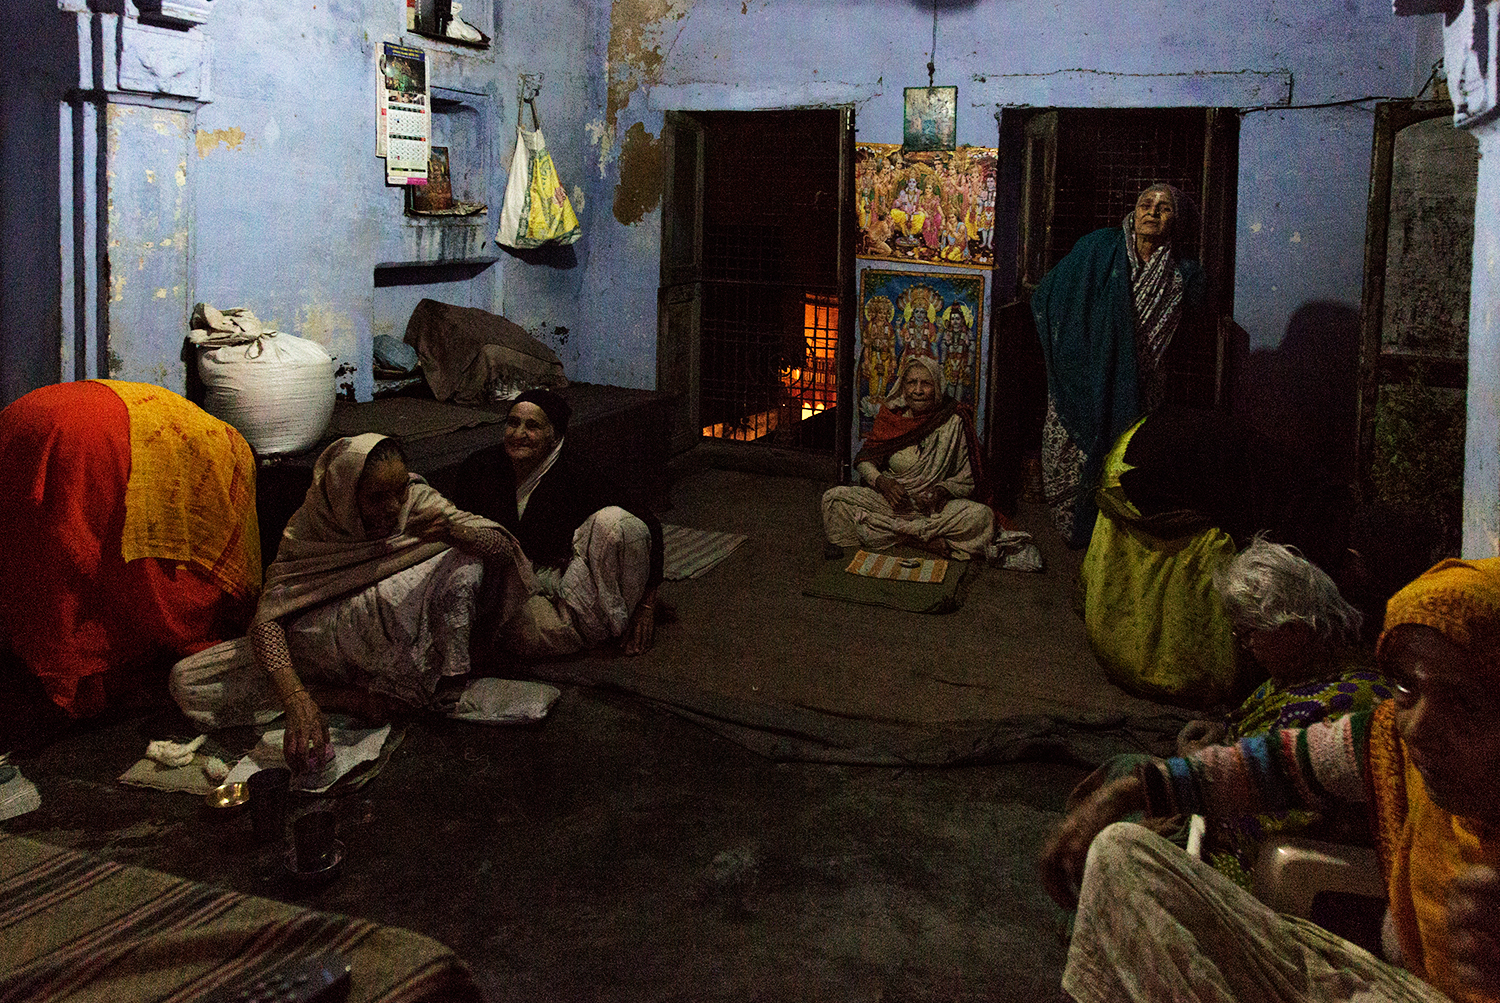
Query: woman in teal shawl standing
(1105,315)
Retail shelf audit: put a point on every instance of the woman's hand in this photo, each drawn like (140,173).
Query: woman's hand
(895,494)
(1199,735)
(432,527)
(1474,928)
(1062,859)
(435,527)
(930,502)
(305,744)
(640,632)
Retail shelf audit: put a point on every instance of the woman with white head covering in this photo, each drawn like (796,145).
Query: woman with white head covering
(376,587)
(921,462)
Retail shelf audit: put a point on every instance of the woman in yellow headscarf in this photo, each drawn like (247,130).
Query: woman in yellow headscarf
(1425,768)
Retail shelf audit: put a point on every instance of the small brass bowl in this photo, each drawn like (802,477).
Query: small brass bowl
(228,796)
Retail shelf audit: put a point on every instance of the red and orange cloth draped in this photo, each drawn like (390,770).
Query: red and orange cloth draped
(131,535)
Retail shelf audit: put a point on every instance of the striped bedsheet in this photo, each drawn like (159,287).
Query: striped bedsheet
(74,927)
(692,553)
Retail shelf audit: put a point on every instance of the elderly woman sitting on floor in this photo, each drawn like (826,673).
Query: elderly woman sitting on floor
(372,601)
(597,550)
(921,461)
(1423,767)
(1289,618)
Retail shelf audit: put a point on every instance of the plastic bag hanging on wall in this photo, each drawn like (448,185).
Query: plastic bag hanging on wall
(536,210)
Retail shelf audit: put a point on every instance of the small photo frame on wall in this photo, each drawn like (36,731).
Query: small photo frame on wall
(931,118)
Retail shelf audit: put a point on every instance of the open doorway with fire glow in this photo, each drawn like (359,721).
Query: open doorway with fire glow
(770,280)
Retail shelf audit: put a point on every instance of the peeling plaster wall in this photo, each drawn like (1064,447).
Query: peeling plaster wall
(1303,173)
(292,213)
(149,218)
(544,290)
(293,210)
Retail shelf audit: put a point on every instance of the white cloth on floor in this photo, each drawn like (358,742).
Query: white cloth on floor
(173,754)
(1015,550)
(1155,924)
(504,701)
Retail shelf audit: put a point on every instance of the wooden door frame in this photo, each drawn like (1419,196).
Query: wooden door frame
(680,284)
(1390,118)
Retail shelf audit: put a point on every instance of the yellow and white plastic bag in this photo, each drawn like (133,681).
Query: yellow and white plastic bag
(536,210)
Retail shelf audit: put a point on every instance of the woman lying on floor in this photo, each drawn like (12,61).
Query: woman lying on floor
(1424,769)
(376,591)
(921,462)
(596,549)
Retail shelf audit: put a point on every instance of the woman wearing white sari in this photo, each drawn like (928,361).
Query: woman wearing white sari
(921,461)
(371,601)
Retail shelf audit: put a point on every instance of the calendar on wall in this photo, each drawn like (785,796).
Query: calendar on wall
(404,114)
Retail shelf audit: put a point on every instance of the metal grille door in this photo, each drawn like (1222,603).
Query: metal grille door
(770,278)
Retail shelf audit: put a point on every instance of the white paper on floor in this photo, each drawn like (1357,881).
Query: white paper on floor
(351,746)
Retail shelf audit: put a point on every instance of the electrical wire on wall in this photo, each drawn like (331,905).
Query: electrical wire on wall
(932,56)
(1432,78)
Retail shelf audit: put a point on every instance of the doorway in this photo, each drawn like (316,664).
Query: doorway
(756,266)
(1414,345)
(1066,172)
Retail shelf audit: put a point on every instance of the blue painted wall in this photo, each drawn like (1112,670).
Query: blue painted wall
(292,216)
(1303,173)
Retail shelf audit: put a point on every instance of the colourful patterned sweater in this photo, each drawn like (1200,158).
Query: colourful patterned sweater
(1360,762)
(1321,767)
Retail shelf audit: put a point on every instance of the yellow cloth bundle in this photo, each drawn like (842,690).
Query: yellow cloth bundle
(191,492)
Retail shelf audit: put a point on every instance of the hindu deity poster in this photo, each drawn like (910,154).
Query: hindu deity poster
(918,313)
(936,207)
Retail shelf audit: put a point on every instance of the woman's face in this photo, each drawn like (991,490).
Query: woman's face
(919,390)
(1284,651)
(1154,214)
(529,435)
(1449,721)
(380,495)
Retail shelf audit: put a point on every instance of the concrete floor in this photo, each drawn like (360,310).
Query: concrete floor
(618,850)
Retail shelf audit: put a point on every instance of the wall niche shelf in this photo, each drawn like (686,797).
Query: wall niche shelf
(416,273)
(484,43)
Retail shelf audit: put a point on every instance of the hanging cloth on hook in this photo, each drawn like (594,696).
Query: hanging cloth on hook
(536,210)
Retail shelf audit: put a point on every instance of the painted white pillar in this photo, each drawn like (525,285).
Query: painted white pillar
(127,138)
(1482,443)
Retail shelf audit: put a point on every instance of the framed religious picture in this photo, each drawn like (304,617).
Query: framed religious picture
(931,118)
(906,313)
(936,207)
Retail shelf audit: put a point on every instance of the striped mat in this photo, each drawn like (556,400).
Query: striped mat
(898,569)
(692,553)
(76,928)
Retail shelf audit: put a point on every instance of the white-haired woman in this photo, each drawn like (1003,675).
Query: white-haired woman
(1287,615)
(921,462)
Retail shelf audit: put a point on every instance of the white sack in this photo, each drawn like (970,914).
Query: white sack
(278,390)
